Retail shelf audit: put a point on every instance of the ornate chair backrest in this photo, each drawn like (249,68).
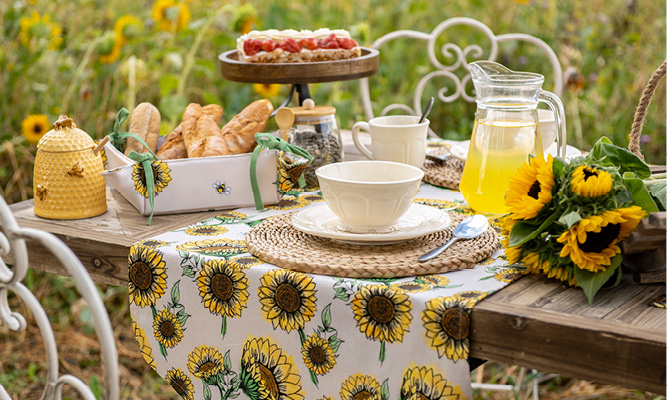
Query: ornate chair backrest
(454,51)
(13,240)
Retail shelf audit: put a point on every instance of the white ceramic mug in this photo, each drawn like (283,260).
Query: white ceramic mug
(398,138)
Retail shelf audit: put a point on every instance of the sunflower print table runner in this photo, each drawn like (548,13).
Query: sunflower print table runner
(218,323)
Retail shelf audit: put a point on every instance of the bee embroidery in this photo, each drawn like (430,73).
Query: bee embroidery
(76,170)
(41,192)
(222,188)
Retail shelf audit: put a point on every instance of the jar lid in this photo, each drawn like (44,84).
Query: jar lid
(310,110)
(65,137)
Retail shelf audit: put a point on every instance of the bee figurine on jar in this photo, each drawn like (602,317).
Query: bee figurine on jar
(66,181)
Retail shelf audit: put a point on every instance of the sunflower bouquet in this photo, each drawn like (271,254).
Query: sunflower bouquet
(566,219)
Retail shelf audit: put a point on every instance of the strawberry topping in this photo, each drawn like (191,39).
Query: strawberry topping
(269,45)
(252,47)
(329,42)
(309,43)
(289,44)
(347,43)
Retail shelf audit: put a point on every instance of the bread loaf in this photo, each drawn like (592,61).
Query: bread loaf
(145,123)
(194,140)
(239,133)
(215,143)
(174,145)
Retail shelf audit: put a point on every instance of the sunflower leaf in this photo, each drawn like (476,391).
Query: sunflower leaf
(659,193)
(640,195)
(604,151)
(591,282)
(570,219)
(227,362)
(384,390)
(523,231)
(559,167)
(175,293)
(207,392)
(326,316)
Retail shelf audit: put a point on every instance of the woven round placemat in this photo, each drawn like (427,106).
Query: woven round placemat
(445,173)
(275,240)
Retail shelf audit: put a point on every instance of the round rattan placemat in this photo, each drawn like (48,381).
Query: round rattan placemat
(275,240)
(445,173)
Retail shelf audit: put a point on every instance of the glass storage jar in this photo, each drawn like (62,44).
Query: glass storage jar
(316,131)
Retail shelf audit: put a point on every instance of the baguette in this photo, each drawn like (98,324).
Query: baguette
(194,140)
(239,132)
(174,145)
(145,123)
(215,142)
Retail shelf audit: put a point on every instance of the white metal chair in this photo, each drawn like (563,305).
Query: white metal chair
(13,240)
(453,51)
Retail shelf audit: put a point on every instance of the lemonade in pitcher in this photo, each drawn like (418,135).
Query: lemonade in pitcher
(497,149)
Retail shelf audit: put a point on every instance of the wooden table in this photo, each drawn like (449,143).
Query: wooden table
(533,322)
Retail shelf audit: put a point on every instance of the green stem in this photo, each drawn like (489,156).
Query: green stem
(302,336)
(223,328)
(77,75)
(313,378)
(383,352)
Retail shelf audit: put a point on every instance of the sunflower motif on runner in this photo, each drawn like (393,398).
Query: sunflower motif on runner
(313,197)
(151,243)
(206,230)
(326,398)
(589,181)
(230,216)
(318,355)
(530,188)
(161,177)
(245,262)
(382,314)
(508,275)
(288,203)
(411,286)
(446,322)
(223,288)
(471,296)
(434,280)
(147,276)
(423,383)
(438,203)
(290,169)
(288,299)
(593,241)
(267,373)
(215,247)
(167,328)
(205,362)
(360,386)
(181,383)
(142,341)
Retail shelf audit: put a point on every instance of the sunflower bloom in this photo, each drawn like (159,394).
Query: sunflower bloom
(266,90)
(425,383)
(508,275)
(34,127)
(360,386)
(530,188)
(144,346)
(271,373)
(318,356)
(147,276)
(223,288)
(161,177)
(593,241)
(215,247)
(588,181)
(167,328)
(205,230)
(205,362)
(287,298)
(382,313)
(170,15)
(446,322)
(411,286)
(126,28)
(181,383)
(112,55)
(37,29)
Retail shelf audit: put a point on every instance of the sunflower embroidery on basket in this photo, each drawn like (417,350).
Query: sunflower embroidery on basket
(161,177)
(290,169)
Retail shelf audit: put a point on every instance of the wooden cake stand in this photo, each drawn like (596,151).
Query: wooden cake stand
(299,74)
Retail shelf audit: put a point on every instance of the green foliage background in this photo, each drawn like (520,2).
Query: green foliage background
(609,47)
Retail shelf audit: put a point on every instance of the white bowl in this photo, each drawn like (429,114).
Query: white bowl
(369,196)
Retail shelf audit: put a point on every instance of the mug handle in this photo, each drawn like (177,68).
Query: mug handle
(355,136)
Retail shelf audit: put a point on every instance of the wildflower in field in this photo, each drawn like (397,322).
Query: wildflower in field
(34,127)
(244,18)
(109,48)
(266,90)
(170,15)
(37,30)
(126,28)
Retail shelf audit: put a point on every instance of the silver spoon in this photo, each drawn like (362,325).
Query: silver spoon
(427,110)
(469,228)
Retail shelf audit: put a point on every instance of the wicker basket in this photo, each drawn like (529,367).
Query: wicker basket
(644,250)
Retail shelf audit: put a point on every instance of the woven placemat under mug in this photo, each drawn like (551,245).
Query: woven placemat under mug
(276,241)
(444,173)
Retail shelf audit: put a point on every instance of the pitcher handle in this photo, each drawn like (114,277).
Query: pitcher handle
(556,106)
(355,136)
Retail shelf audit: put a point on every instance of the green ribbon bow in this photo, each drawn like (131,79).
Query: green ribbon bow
(269,142)
(145,159)
(117,138)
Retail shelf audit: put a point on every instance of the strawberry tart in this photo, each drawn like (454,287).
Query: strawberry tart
(291,46)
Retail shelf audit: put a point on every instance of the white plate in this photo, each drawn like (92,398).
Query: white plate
(418,221)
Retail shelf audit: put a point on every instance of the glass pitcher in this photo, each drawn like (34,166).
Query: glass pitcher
(506,132)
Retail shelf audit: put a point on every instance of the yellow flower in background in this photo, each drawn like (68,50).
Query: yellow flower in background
(244,18)
(36,29)
(167,328)
(205,362)
(318,356)
(530,188)
(588,181)
(593,241)
(113,54)
(126,28)
(181,383)
(266,90)
(360,386)
(34,127)
(170,15)
(424,383)
(382,313)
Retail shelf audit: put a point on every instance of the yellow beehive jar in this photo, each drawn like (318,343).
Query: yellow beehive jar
(66,181)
